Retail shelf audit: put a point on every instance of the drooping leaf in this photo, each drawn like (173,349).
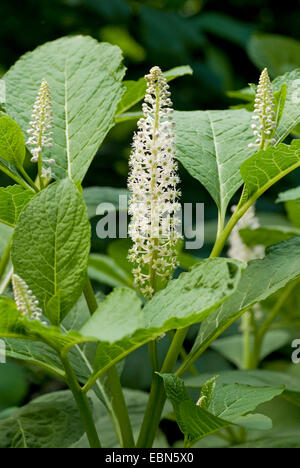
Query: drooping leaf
(50,421)
(200,291)
(12,201)
(261,279)
(51,245)
(85,82)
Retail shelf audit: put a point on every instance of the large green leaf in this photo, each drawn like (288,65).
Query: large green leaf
(85,82)
(185,301)
(265,168)
(136,90)
(279,54)
(212,145)
(12,201)
(50,421)
(51,245)
(256,378)
(261,279)
(12,143)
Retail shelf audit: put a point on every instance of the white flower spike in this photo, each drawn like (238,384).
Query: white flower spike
(237,248)
(40,135)
(27,303)
(264,114)
(153,184)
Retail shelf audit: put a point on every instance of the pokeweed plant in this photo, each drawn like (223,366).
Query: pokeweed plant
(50,315)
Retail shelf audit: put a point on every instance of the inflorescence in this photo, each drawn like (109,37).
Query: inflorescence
(264,114)
(153,184)
(40,131)
(27,303)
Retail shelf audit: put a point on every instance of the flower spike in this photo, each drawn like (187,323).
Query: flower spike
(264,114)
(153,184)
(40,135)
(27,303)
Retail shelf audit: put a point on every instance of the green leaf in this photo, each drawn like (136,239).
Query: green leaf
(231,347)
(267,236)
(293,212)
(261,279)
(280,100)
(50,421)
(212,145)
(105,270)
(12,201)
(51,245)
(279,441)
(12,143)
(85,82)
(14,384)
(206,393)
(289,195)
(265,168)
(279,54)
(136,90)
(193,421)
(256,378)
(254,422)
(185,301)
(94,196)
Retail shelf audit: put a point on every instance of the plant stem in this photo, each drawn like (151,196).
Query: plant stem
(82,404)
(157,396)
(246,326)
(16,178)
(5,259)
(28,179)
(118,401)
(120,408)
(259,337)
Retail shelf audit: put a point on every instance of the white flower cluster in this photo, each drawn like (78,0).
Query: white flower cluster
(153,183)
(238,249)
(264,113)
(27,303)
(40,131)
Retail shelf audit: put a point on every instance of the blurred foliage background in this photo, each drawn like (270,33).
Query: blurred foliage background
(226,44)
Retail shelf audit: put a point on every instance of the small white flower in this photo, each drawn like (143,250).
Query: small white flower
(41,123)
(27,303)
(153,183)
(264,114)
(238,249)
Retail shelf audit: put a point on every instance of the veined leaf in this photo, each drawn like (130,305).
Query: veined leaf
(50,421)
(85,82)
(12,201)
(136,90)
(261,279)
(265,168)
(51,245)
(212,145)
(200,291)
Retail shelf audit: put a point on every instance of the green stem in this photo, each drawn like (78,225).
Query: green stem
(120,408)
(28,179)
(118,401)
(157,396)
(246,326)
(153,355)
(16,178)
(82,404)
(264,328)
(5,259)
